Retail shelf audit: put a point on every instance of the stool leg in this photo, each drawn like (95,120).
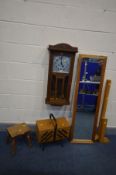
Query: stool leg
(13,145)
(29,140)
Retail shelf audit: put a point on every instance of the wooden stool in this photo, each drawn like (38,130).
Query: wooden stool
(18,130)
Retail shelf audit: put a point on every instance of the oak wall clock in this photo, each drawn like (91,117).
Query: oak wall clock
(61,63)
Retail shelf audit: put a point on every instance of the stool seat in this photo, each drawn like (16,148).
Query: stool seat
(18,129)
(21,129)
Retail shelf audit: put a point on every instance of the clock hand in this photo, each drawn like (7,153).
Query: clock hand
(61,62)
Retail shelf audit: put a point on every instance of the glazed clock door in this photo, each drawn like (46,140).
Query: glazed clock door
(60,77)
(58,86)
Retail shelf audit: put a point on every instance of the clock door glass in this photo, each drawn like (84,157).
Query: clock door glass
(59,86)
(61,64)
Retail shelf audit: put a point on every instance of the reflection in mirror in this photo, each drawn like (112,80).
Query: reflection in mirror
(88,90)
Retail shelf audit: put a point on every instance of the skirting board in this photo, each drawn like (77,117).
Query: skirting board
(3,126)
(111,131)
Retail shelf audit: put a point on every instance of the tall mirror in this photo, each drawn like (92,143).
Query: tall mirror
(87,96)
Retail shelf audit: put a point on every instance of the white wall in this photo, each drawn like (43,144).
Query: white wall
(27,27)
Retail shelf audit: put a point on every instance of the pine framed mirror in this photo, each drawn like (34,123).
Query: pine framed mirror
(87,98)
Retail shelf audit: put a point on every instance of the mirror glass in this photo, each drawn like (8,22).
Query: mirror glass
(89,83)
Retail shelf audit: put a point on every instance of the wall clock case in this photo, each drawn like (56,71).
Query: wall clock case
(61,63)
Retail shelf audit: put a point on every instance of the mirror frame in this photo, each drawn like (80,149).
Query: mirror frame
(74,107)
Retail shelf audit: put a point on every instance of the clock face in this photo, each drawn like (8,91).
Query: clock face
(61,64)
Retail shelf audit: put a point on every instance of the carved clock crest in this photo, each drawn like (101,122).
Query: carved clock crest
(61,63)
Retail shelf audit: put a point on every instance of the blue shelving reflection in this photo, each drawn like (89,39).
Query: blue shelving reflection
(89,85)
